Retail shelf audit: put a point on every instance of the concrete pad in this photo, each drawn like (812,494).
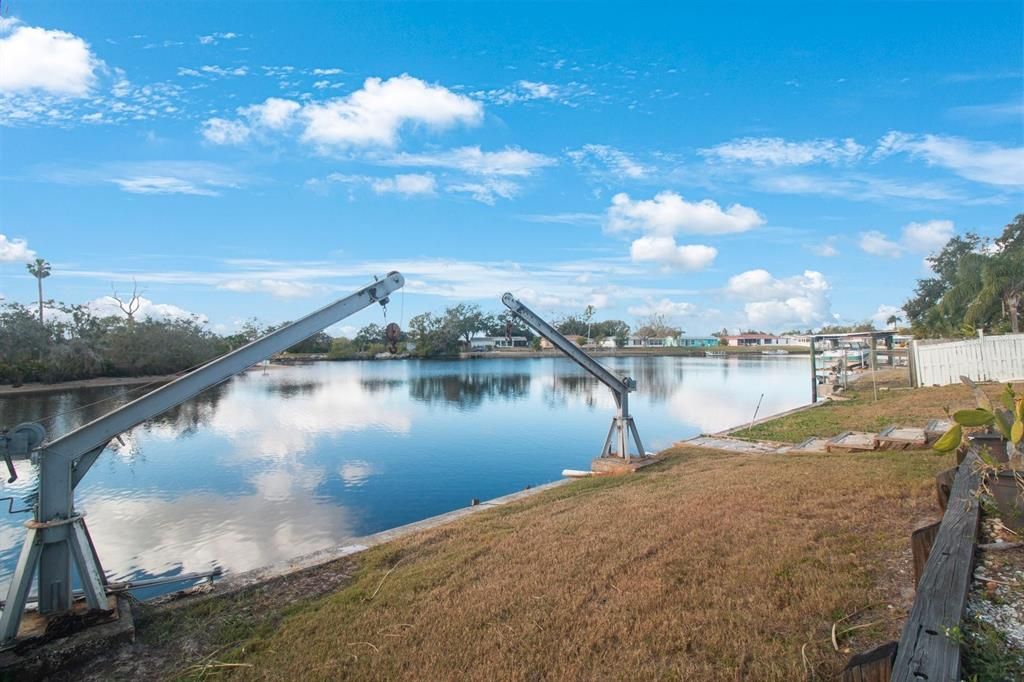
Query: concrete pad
(812,444)
(901,438)
(736,445)
(618,465)
(852,441)
(936,428)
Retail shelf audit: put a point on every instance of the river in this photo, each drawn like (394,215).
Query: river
(281,462)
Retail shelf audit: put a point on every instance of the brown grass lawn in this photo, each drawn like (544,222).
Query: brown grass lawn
(709,566)
(896,404)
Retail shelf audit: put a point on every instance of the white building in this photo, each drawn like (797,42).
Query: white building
(484,343)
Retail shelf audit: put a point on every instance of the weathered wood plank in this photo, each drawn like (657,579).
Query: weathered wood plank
(872,666)
(921,541)
(925,651)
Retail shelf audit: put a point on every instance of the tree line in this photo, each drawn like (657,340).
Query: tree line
(978,284)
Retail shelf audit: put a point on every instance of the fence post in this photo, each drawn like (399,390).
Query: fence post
(912,363)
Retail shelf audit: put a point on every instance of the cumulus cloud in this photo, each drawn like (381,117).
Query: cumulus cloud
(665,307)
(275,287)
(107,306)
(979,161)
(776,303)
(224,131)
(877,244)
(274,113)
(14,250)
(927,237)
(374,114)
(884,312)
(51,61)
(665,251)
(775,151)
(668,213)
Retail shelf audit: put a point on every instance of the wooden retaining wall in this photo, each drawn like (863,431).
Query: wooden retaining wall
(926,651)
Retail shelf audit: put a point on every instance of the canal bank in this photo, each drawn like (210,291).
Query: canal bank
(708,565)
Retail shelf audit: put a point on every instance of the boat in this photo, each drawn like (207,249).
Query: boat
(775,351)
(714,353)
(855,353)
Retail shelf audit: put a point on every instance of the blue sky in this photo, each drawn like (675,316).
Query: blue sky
(726,164)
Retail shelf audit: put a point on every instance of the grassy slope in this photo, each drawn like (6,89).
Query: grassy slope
(710,566)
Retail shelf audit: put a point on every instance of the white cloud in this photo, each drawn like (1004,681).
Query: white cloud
(152,177)
(857,187)
(928,237)
(38,59)
(374,114)
(510,161)
(214,70)
(327,72)
(665,251)
(826,248)
(409,184)
(979,161)
(162,184)
(224,131)
(877,244)
(107,305)
(775,151)
(521,91)
(214,38)
(669,213)
(275,113)
(275,287)
(665,307)
(617,162)
(777,303)
(884,312)
(14,250)
(486,191)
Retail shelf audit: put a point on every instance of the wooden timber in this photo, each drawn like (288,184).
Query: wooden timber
(926,650)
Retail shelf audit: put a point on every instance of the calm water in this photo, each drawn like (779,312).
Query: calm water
(282,462)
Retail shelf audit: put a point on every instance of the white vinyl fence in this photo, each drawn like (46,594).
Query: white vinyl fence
(986,358)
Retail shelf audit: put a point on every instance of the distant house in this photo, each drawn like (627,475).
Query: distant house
(753,340)
(696,341)
(795,340)
(575,338)
(484,343)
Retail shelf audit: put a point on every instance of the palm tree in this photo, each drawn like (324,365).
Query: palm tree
(1002,280)
(40,269)
(893,319)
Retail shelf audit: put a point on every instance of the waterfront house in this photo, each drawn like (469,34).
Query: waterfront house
(753,340)
(484,343)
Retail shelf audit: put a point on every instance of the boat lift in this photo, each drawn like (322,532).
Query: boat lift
(57,539)
(617,442)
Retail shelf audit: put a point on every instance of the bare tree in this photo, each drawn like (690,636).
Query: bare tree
(40,269)
(133,304)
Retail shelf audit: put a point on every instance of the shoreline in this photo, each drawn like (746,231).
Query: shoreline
(107,382)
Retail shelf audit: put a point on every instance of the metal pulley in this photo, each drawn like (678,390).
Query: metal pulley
(393,334)
(18,443)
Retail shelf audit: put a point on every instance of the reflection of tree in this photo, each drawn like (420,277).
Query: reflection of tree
(469,390)
(186,418)
(655,381)
(290,389)
(380,385)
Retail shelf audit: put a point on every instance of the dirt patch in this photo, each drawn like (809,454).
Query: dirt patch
(184,639)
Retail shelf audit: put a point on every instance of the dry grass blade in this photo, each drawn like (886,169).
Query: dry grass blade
(381,584)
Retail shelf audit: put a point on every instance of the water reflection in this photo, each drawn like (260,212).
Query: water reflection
(279,463)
